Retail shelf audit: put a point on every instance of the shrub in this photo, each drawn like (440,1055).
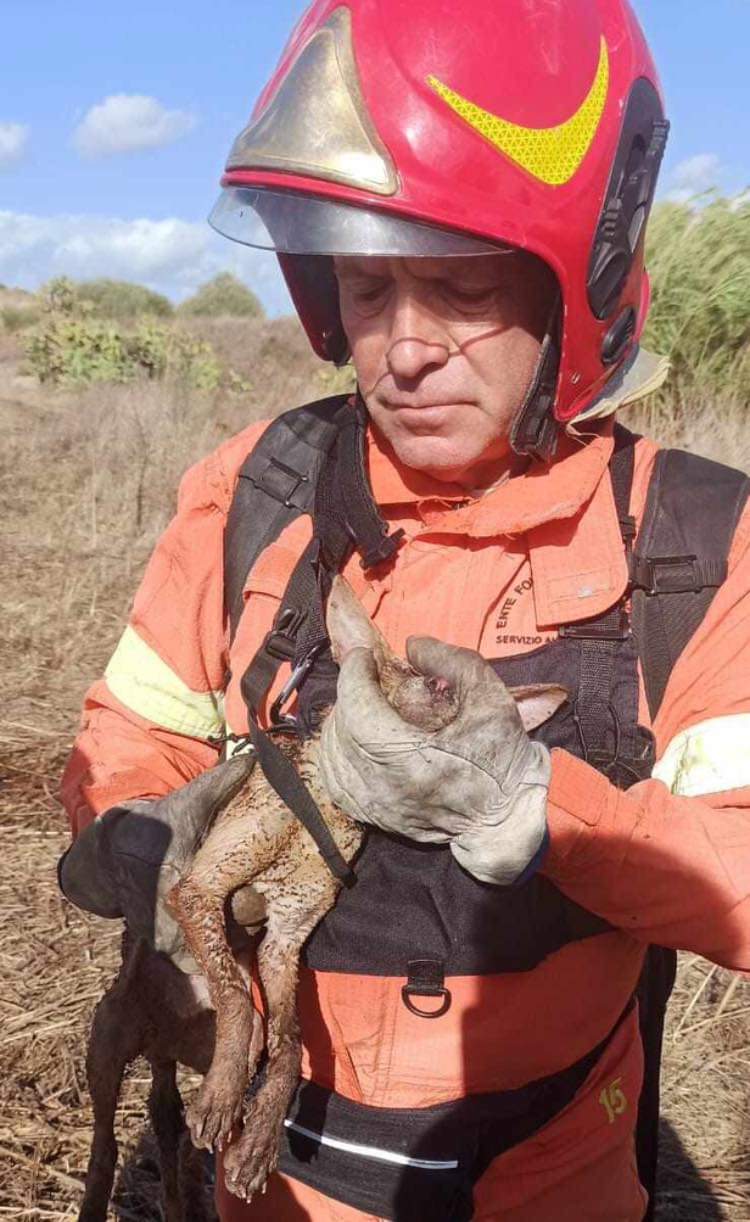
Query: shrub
(159,351)
(59,296)
(68,349)
(121,299)
(224,295)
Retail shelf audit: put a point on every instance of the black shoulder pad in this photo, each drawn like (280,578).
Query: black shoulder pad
(680,557)
(276,484)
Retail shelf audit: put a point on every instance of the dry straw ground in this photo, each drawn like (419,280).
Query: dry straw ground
(88,480)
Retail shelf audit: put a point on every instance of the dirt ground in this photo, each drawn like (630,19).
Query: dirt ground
(79,518)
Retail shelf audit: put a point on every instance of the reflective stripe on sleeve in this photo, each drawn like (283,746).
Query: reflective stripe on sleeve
(709,757)
(143,682)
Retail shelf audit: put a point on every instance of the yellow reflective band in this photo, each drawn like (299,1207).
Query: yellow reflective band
(551,154)
(143,682)
(709,757)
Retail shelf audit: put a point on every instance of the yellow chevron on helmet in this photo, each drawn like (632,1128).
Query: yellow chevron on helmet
(551,154)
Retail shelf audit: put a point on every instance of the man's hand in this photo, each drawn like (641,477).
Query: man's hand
(127,860)
(480,783)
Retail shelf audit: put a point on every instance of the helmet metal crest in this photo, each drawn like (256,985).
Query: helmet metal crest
(317,123)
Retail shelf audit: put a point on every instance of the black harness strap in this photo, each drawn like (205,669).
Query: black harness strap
(355,505)
(281,643)
(344,516)
(680,559)
(276,484)
(601,636)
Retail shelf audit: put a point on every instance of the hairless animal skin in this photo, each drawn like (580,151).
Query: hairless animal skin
(259,859)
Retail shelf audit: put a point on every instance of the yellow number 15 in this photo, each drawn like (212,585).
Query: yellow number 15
(613,1100)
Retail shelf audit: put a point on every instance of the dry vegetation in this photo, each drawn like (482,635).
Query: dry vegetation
(88,480)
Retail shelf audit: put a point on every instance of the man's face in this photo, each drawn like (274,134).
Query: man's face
(444,351)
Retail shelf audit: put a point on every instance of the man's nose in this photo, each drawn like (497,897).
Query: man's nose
(416,341)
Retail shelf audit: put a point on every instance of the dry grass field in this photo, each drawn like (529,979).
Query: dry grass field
(88,479)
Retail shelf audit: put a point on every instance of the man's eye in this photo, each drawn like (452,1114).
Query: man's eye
(369,293)
(470,296)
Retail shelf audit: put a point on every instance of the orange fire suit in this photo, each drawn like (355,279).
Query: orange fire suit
(667,862)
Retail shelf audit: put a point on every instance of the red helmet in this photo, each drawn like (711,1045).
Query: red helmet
(440,127)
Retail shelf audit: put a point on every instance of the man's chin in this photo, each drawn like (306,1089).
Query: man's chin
(436,457)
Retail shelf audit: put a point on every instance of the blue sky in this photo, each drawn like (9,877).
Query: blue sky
(185,76)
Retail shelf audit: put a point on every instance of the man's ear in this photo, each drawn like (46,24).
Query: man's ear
(537,702)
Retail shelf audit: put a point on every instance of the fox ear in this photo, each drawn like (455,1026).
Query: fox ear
(349,626)
(537,702)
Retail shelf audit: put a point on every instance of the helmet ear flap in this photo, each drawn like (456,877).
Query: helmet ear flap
(314,289)
(628,199)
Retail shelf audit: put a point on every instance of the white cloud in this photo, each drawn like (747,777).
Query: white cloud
(13,137)
(126,122)
(694,175)
(170,256)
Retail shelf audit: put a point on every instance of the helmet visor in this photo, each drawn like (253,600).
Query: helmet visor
(295,224)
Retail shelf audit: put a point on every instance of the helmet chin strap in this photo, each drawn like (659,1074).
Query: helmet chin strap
(535,430)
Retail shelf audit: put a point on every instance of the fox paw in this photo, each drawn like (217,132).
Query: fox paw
(213,1114)
(249,1161)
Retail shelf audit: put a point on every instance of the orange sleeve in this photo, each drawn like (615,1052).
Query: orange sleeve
(670,868)
(135,740)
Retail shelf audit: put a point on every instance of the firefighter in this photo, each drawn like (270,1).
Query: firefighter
(458,195)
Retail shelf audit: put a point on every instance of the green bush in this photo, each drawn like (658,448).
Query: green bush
(59,296)
(160,351)
(68,349)
(77,350)
(120,299)
(699,260)
(223,296)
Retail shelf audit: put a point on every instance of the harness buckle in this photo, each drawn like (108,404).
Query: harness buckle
(377,553)
(281,482)
(667,574)
(609,627)
(280,642)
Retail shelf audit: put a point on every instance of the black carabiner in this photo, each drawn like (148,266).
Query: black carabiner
(290,687)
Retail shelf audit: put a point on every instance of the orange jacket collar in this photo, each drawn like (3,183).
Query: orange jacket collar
(566,509)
